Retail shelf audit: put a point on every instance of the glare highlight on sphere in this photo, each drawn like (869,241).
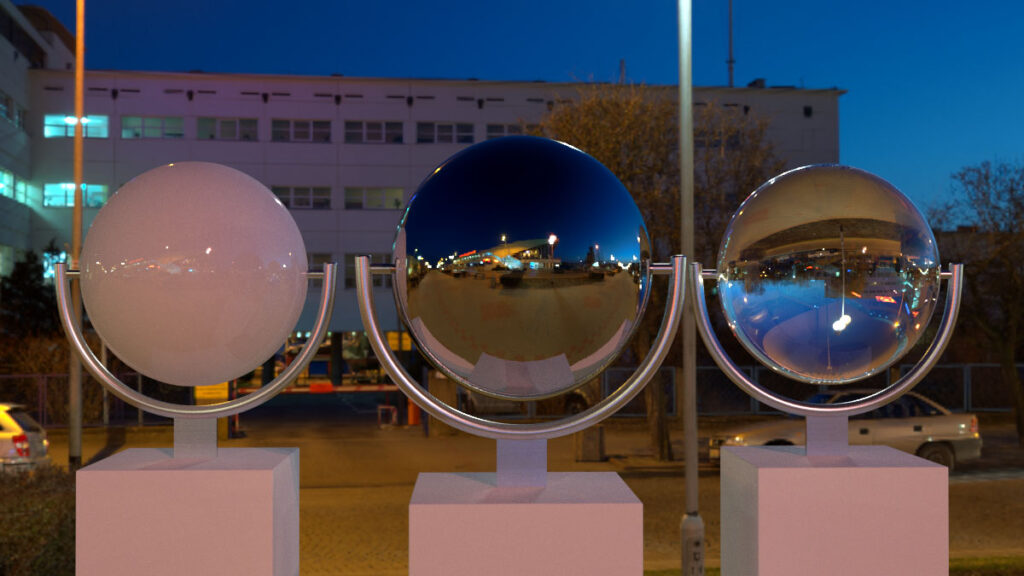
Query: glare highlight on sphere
(193,273)
(522,267)
(828,274)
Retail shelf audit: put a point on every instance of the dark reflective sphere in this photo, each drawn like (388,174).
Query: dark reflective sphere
(828,274)
(522,267)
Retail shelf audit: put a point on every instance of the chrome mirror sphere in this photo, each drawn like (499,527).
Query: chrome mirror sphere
(522,267)
(193,273)
(828,274)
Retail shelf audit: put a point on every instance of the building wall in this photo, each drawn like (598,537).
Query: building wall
(799,137)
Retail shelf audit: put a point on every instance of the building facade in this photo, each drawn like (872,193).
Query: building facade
(343,154)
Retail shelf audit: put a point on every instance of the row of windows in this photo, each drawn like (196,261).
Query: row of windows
(319,198)
(62,195)
(281,130)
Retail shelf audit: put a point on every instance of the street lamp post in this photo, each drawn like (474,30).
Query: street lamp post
(692,526)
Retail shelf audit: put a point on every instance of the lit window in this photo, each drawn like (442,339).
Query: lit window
(63,126)
(244,129)
(63,195)
(152,127)
(6,184)
(379,280)
(443,133)
(300,130)
(304,197)
(374,198)
(373,132)
(49,260)
(13,187)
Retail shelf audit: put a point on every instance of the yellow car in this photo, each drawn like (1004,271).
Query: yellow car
(23,443)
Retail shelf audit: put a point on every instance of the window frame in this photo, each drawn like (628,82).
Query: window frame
(243,128)
(374,132)
(300,130)
(303,197)
(159,126)
(63,126)
(93,195)
(445,133)
(364,193)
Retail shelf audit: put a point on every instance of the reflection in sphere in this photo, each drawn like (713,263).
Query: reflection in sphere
(522,267)
(828,274)
(193,273)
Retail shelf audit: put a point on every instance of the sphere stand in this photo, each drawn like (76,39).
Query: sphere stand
(195,509)
(522,519)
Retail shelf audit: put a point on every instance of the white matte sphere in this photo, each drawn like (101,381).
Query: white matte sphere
(193,273)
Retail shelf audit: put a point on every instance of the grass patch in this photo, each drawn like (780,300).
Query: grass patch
(38,514)
(708,572)
(1008,566)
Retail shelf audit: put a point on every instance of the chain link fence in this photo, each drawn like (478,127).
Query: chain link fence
(958,387)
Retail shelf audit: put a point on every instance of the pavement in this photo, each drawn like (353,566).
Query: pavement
(357,478)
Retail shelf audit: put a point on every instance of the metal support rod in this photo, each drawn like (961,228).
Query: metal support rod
(503,430)
(195,438)
(522,463)
(954,289)
(106,396)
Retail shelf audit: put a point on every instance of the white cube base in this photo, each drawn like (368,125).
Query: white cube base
(579,523)
(142,512)
(875,511)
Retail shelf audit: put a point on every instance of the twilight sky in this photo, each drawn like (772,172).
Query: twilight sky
(932,85)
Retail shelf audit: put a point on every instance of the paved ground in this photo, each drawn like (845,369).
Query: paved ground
(356,481)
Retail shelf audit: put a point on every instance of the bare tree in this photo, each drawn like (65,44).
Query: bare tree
(633,130)
(988,214)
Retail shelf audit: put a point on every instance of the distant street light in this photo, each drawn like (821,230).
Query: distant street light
(551,242)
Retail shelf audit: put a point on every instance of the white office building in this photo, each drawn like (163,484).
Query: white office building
(344,154)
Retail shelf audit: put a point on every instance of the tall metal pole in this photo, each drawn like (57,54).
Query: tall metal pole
(692,527)
(731,61)
(74,365)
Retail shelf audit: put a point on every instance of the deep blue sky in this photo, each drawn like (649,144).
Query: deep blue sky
(933,85)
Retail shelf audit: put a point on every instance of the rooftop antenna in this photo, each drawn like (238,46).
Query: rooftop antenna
(731,61)
(622,71)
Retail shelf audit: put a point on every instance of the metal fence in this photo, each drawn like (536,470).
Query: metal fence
(46,397)
(958,387)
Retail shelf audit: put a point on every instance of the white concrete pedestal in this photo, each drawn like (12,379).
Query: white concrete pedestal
(142,512)
(874,511)
(579,523)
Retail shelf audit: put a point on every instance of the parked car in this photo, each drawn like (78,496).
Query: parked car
(23,443)
(912,423)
